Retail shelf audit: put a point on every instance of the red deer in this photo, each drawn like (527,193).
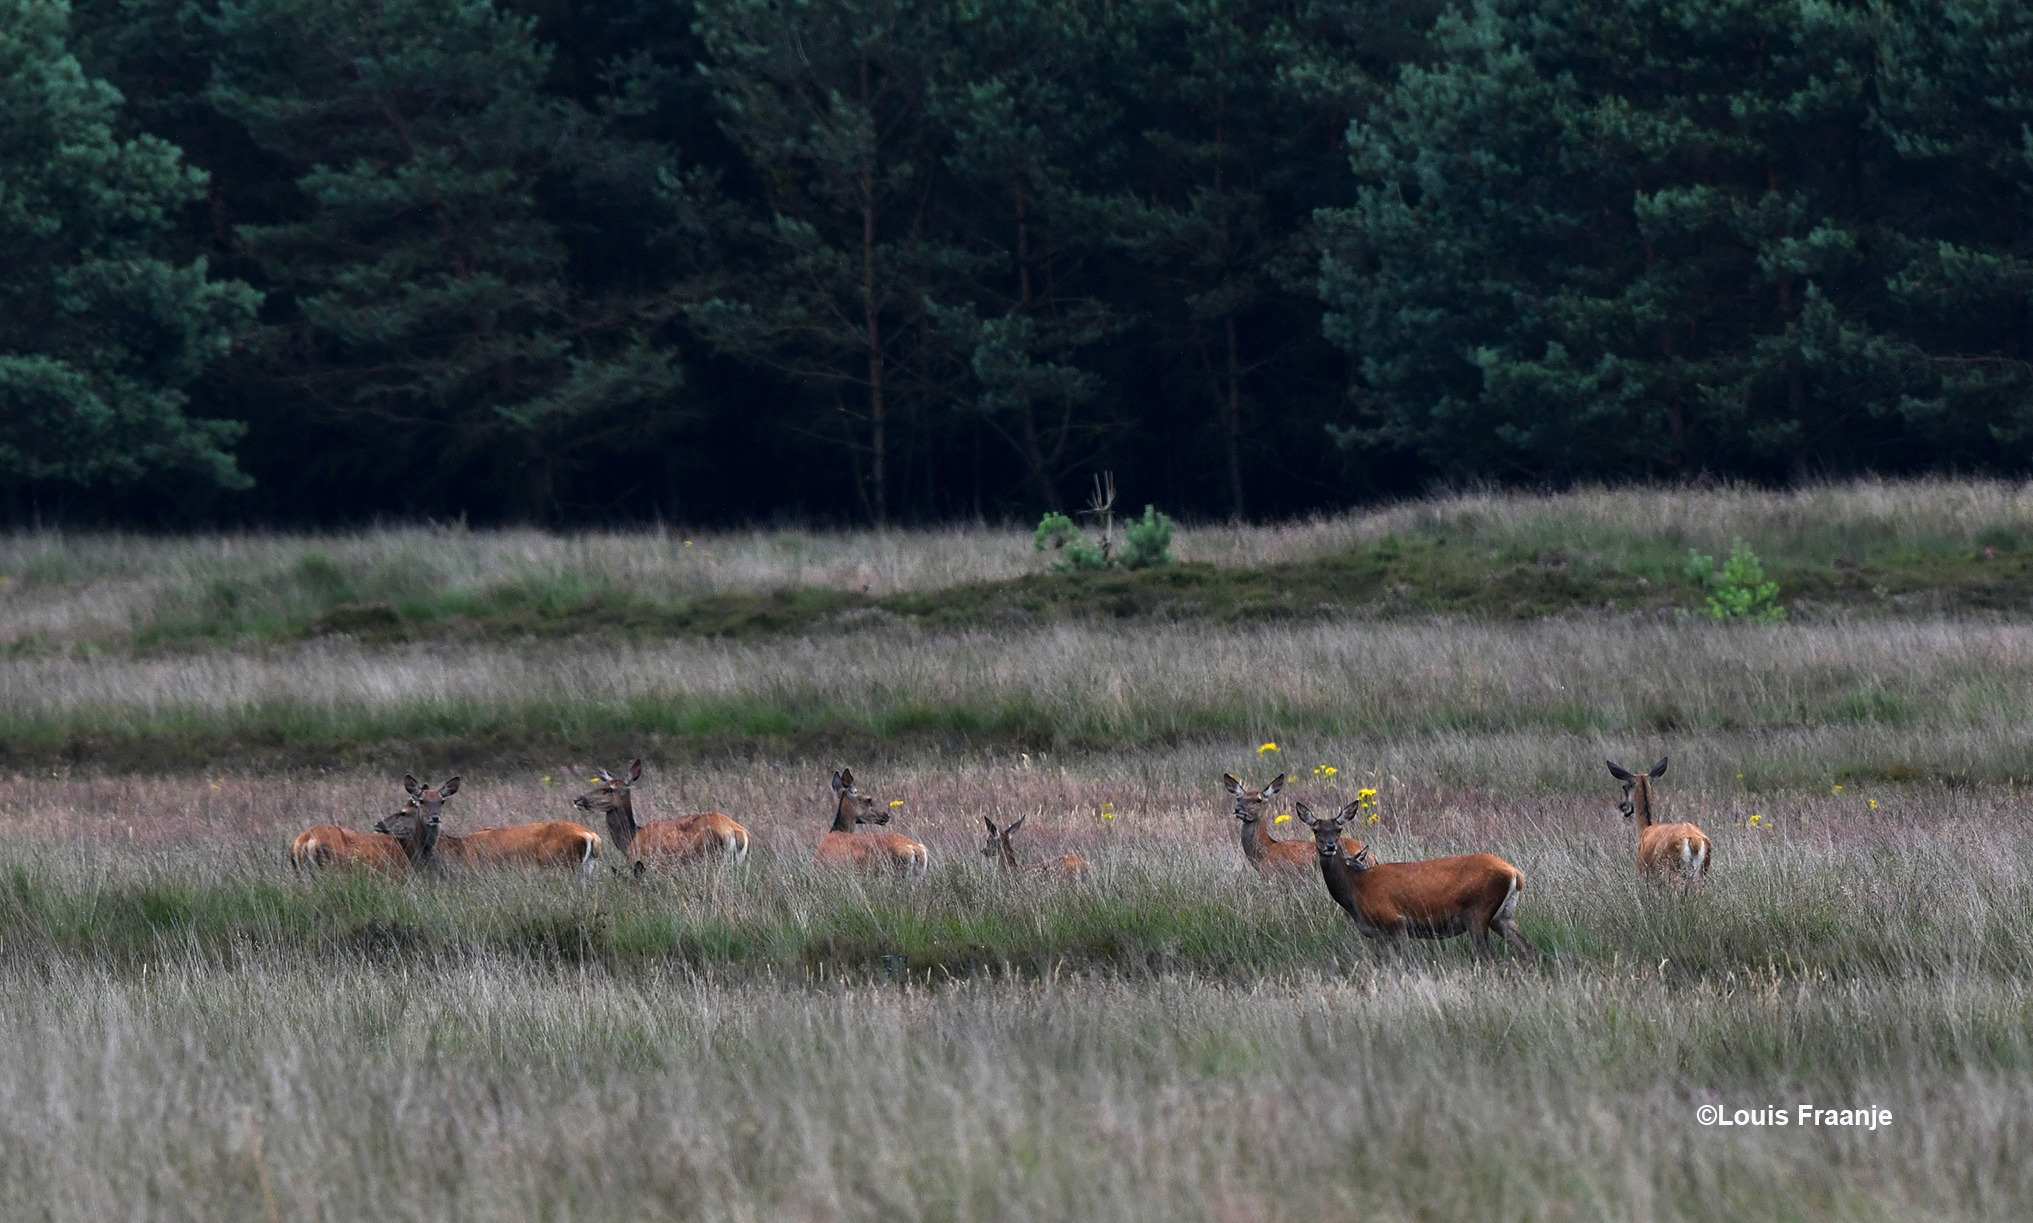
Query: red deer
(1069,865)
(840,847)
(396,842)
(1439,898)
(666,842)
(552,844)
(1663,849)
(1272,858)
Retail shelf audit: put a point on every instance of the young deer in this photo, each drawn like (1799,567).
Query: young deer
(1663,849)
(840,847)
(552,844)
(665,842)
(998,845)
(397,842)
(1439,898)
(1272,858)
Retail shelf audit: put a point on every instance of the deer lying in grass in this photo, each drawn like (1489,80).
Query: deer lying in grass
(1067,865)
(665,842)
(390,848)
(559,843)
(1663,849)
(1272,858)
(840,847)
(1439,898)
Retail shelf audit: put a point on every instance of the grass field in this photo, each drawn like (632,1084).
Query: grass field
(191,1031)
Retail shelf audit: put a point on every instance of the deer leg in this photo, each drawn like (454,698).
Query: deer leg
(1479,932)
(1516,938)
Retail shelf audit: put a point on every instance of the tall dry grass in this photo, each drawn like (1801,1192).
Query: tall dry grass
(1253,1059)
(1525,703)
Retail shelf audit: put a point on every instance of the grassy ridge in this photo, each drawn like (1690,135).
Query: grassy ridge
(1419,574)
(1903,548)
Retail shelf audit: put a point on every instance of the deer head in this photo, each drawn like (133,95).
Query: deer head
(614,799)
(851,805)
(417,831)
(998,839)
(1249,804)
(1327,835)
(1637,789)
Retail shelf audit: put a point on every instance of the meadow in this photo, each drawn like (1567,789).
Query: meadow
(192,1031)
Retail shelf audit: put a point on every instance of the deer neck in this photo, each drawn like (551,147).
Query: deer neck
(843,819)
(621,821)
(1009,862)
(1641,802)
(1256,840)
(1341,880)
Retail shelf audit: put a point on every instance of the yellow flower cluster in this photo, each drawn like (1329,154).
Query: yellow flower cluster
(1367,798)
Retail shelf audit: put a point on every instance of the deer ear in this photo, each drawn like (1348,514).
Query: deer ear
(1013,827)
(1304,813)
(1277,784)
(990,823)
(635,772)
(449,788)
(1659,769)
(1349,812)
(844,779)
(410,783)
(1618,771)
(1231,783)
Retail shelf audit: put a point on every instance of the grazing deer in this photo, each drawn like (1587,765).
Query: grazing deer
(396,843)
(840,847)
(1439,898)
(550,844)
(1070,865)
(1272,858)
(667,842)
(1663,849)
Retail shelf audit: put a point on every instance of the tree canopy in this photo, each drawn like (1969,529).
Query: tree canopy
(891,260)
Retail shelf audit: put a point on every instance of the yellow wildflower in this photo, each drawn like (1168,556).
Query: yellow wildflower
(1285,818)
(1757,821)
(896,802)
(1268,747)
(1836,790)
(1874,804)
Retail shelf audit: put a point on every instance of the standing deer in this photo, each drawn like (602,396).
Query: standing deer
(1663,849)
(1439,898)
(396,843)
(558,843)
(1069,865)
(1272,858)
(840,847)
(666,842)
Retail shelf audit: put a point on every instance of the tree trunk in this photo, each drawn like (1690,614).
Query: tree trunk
(872,315)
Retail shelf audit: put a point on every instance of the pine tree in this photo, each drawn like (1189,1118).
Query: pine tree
(835,259)
(1243,103)
(100,333)
(1632,238)
(431,296)
(1031,139)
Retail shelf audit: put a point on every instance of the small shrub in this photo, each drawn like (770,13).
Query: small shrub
(1149,542)
(1076,551)
(1146,543)
(1739,590)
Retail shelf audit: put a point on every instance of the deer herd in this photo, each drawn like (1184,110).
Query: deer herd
(1473,894)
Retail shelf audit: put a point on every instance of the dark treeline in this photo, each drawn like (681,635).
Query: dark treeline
(319,261)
